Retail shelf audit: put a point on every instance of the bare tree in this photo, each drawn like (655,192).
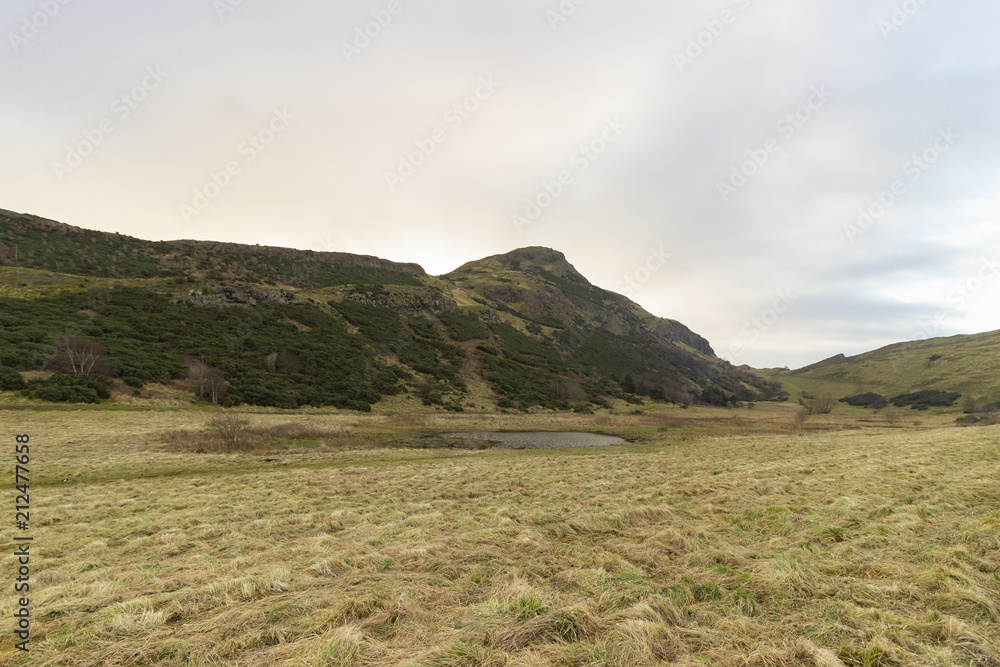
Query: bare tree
(72,355)
(209,382)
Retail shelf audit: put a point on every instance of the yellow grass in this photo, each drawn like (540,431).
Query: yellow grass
(706,542)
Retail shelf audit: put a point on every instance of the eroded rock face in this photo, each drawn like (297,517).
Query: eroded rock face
(245,295)
(422,302)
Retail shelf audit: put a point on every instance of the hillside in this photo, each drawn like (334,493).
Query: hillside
(32,242)
(969,365)
(289,328)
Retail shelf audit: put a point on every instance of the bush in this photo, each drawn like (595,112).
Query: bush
(11,380)
(868,400)
(922,400)
(818,406)
(233,429)
(76,388)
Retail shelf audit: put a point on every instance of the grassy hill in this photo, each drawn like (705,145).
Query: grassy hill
(289,328)
(32,242)
(969,365)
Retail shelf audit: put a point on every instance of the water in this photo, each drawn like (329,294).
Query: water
(540,439)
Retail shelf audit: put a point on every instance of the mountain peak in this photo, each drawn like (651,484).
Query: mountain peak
(521,259)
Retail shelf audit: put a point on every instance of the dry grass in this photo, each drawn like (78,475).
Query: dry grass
(703,543)
(238,433)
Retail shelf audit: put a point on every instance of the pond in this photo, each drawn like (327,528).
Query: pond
(539,439)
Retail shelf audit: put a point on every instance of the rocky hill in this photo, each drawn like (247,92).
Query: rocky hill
(288,328)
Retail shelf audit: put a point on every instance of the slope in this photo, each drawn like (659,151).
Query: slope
(967,364)
(289,328)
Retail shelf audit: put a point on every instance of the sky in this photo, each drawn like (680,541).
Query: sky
(792,180)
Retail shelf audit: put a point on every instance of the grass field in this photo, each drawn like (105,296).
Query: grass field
(716,538)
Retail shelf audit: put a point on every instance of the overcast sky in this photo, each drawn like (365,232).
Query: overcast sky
(708,159)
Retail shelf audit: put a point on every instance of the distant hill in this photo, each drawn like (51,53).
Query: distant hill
(288,327)
(37,243)
(969,365)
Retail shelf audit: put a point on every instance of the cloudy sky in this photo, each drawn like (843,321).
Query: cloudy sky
(790,179)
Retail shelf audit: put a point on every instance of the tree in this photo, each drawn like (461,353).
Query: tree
(72,355)
(969,405)
(209,383)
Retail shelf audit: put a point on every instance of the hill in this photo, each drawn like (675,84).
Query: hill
(287,328)
(967,364)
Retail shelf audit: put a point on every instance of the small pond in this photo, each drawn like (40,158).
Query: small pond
(539,439)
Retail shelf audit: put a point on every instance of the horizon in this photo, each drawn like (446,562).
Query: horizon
(791,182)
(569,260)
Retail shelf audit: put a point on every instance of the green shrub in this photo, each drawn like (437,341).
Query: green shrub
(922,400)
(867,400)
(77,388)
(10,379)
(463,326)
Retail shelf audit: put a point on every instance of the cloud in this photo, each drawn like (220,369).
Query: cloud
(750,86)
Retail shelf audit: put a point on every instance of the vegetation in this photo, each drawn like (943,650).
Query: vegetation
(332,540)
(350,331)
(463,326)
(922,400)
(76,388)
(34,243)
(867,400)
(10,379)
(967,365)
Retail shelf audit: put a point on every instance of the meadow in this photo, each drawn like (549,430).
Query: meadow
(716,537)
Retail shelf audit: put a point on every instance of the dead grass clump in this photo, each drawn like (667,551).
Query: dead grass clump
(465,654)
(803,654)
(343,647)
(233,430)
(357,609)
(637,642)
(571,625)
(407,420)
(229,433)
